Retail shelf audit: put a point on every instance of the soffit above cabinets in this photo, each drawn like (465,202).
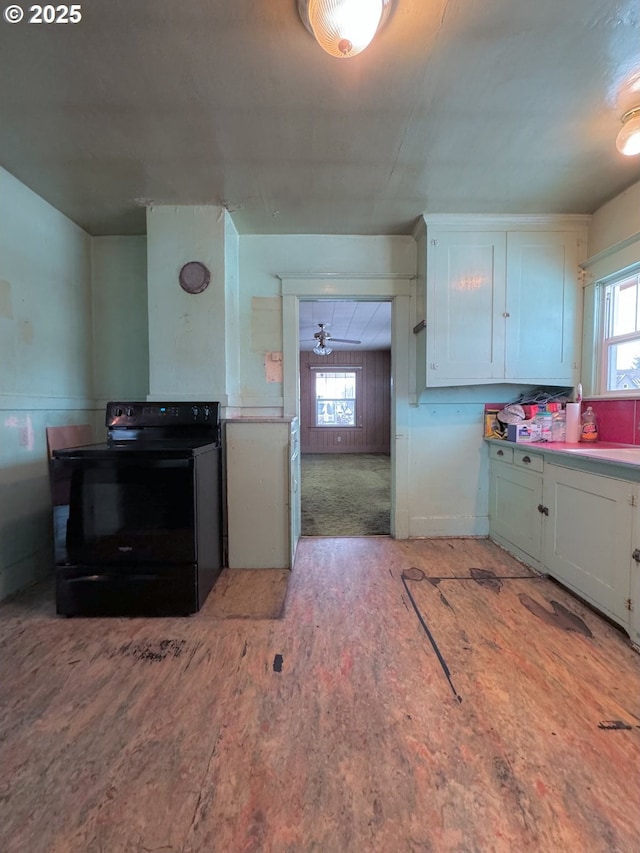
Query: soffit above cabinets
(481,106)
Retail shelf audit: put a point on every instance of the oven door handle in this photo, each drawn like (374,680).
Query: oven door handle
(120,460)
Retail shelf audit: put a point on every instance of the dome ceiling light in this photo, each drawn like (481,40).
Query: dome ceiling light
(344,28)
(628,139)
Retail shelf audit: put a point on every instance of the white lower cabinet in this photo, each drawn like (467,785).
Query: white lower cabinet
(588,536)
(582,528)
(515,494)
(262,473)
(634,583)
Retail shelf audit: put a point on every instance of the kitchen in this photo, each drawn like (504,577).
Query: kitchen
(68,293)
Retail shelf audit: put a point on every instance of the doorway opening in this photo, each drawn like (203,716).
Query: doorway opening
(394,288)
(345,417)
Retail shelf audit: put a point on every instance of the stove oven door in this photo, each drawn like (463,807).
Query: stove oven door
(124,535)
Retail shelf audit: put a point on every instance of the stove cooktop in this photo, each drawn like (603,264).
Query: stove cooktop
(169,449)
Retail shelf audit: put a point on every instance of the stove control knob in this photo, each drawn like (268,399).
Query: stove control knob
(129,411)
(207,412)
(118,412)
(194,410)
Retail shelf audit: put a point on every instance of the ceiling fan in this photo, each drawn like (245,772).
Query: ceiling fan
(323,337)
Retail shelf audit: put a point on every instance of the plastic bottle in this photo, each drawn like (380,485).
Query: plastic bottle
(589,431)
(559,426)
(544,420)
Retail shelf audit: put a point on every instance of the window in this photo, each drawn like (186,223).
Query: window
(621,338)
(336,398)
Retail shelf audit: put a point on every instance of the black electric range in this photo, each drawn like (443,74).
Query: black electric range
(138,519)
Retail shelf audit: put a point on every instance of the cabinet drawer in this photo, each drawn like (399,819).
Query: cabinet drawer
(501,453)
(526,459)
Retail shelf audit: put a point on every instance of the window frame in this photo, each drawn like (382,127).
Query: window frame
(319,371)
(607,341)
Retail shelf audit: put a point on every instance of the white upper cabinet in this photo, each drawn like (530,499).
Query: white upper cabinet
(543,304)
(502,304)
(465,305)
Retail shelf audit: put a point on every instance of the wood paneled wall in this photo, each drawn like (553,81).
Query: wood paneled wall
(373,431)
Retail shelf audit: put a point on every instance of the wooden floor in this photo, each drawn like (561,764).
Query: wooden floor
(414,696)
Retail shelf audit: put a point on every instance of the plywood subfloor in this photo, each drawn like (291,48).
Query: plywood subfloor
(414,696)
(247,594)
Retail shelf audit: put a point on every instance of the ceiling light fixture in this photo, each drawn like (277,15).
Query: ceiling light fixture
(628,139)
(322,349)
(344,28)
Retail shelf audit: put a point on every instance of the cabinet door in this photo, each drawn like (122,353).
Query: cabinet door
(587,537)
(543,303)
(258,481)
(633,605)
(514,518)
(465,325)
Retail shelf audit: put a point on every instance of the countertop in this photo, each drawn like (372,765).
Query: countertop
(619,460)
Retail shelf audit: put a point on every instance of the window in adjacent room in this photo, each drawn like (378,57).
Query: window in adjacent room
(621,338)
(336,398)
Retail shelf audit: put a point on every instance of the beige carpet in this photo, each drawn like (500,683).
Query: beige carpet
(346,494)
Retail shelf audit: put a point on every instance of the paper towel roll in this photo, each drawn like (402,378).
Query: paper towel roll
(573,422)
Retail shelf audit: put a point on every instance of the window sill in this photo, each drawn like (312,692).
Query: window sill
(336,426)
(614,395)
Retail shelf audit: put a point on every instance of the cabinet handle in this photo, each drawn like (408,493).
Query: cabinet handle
(500,453)
(506,314)
(636,555)
(544,510)
(526,460)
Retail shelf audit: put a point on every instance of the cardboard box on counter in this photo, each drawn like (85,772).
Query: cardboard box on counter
(492,426)
(523,433)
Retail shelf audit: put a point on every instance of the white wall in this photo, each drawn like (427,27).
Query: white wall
(449,491)
(188,332)
(615,221)
(234,337)
(120,322)
(614,245)
(45,299)
(264,257)
(73,332)
(45,367)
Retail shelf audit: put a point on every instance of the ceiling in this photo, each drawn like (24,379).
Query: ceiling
(464,106)
(367,322)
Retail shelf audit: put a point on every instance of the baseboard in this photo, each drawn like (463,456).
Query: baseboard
(444,526)
(25,572)
(333,450)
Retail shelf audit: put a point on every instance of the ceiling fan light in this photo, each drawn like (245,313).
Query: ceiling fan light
(322,349)
(344,28)
(628,139)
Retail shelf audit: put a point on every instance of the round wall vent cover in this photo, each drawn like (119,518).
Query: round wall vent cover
(194,277)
